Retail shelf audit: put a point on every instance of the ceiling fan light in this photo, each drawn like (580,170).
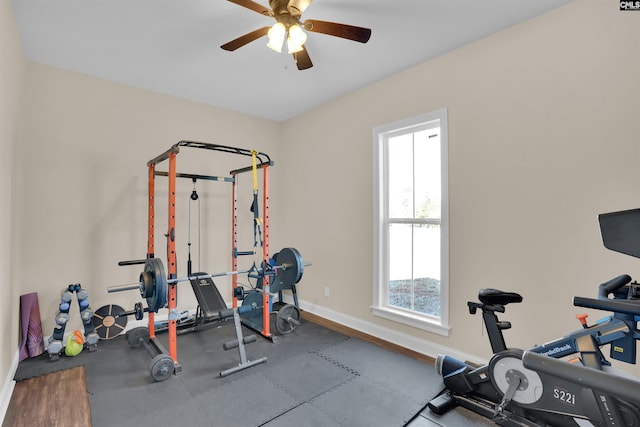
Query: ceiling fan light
(293,47)
(296,39)
(276,36)
(275,46)
(296,35)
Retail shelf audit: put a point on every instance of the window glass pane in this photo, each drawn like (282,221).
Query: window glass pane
(414,267)
(400,164)
(400,265)
(426,270)
(427,173)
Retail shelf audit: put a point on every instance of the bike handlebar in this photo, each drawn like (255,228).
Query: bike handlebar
(617,306)
(612,285)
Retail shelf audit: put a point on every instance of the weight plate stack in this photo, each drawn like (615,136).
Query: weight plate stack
(253,300)
(153,284)
(287,318)
(285,278)
(161,367)
(138,336)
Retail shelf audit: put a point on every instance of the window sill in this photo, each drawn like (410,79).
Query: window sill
(416,321)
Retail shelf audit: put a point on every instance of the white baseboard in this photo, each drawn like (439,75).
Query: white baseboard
(418,345)
(8,386)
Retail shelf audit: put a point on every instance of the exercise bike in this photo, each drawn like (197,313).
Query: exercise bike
(537,388)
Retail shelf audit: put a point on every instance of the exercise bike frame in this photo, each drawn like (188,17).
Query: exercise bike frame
(618,329)
(510,393)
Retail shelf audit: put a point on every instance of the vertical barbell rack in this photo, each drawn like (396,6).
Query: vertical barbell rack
(265,332)
(171,155)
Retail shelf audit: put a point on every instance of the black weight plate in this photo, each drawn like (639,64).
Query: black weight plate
(158,297)
(109,321)
(146,284)
(138,311)
(161,367)
(283,325)
(285,278)
(137,336)
(253,300)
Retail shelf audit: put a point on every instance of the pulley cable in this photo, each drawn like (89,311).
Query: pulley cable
(193,198)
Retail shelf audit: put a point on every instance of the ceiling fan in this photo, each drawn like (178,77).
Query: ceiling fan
(287,14)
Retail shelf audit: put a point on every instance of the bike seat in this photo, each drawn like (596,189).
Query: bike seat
(494,296)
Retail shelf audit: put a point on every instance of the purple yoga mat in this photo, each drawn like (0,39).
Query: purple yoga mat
(32,343)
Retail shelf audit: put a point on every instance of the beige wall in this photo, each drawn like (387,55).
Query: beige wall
(11,114)
(83,187)
(543,136)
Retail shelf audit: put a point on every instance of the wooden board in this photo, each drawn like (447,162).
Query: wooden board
(57,399)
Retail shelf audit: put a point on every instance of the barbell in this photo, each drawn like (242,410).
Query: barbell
(153,283)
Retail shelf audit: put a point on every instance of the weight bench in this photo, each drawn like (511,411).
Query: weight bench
(211,308)
(210,302)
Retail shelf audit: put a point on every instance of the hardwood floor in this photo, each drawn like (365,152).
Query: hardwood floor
(57,399)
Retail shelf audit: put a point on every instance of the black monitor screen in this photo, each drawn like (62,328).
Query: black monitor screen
(621,231)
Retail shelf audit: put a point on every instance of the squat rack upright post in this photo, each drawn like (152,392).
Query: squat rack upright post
(265,332)
(171,252)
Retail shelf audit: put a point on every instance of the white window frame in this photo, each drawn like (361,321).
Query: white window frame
(380,307)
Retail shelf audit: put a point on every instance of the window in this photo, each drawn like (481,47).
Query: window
(411,222)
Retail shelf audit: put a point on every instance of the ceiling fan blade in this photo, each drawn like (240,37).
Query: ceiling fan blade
(297,7)
(247,38)
(256,7)
(303,61)
(345,31)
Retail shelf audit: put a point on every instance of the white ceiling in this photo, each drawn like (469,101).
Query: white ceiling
(173,46)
